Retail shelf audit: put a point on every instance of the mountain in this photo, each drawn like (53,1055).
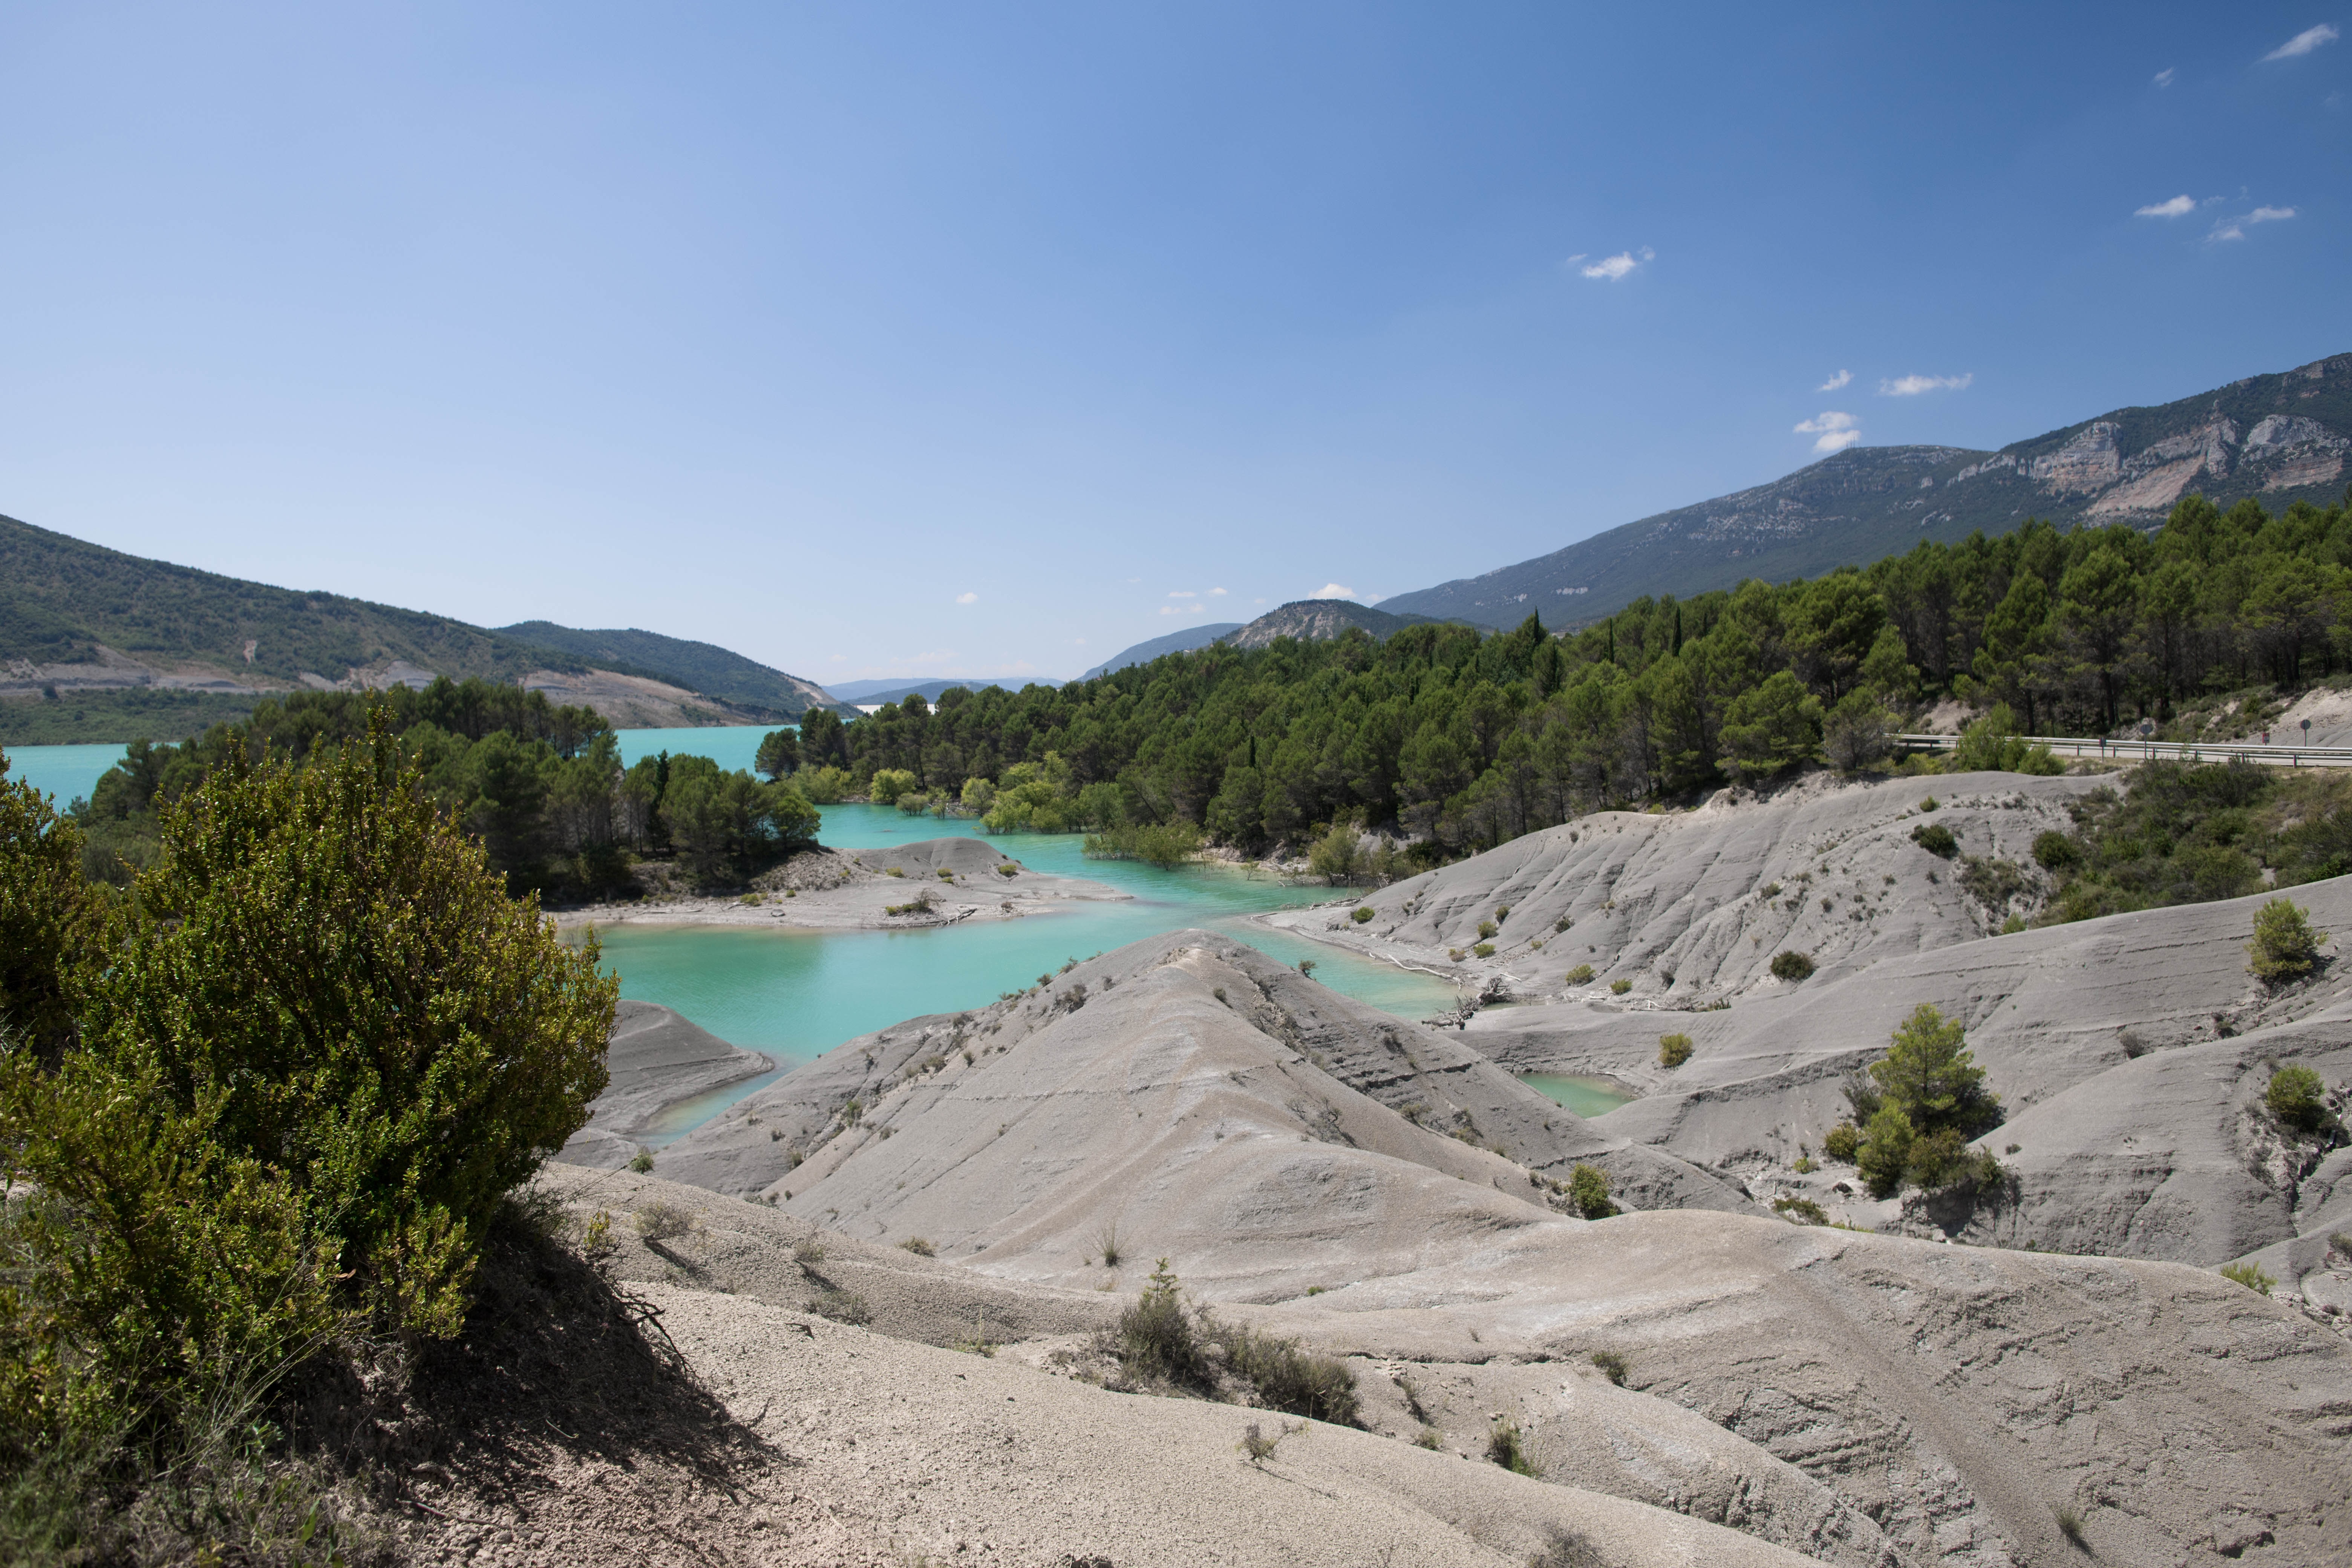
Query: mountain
(2283,437)
(1184,641)
(1314,620)
(703,668)
(97,645)
(890,688)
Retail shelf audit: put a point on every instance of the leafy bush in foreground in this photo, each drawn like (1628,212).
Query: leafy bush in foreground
(324,1047)
(2284,947)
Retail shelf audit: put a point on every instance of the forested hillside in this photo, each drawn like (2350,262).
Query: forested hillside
(60,598)
(1475,738)
(700,667)
(2279,438)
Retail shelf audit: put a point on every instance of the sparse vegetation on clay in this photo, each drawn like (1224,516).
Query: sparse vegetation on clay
(2285,946)
(1674,1050)
(1588,1189)
(1791,966)
(1507,1447)
(2249,1275)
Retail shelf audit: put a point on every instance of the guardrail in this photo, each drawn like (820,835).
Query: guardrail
(2274,755)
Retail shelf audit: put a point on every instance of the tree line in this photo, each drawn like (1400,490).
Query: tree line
(541,786)
(1464,740)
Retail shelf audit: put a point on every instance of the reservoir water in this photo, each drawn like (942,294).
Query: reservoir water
(797,995)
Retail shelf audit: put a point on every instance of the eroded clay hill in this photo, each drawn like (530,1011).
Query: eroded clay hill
(1185,1093)
(1691,907)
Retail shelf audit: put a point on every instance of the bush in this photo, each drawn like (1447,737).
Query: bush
(1362,915)
(842,1307)
(1486,930)
(663,1222)
(1612,1367)
(1155,1337)
(1484,950)
(1618,987)
(1588,1189)
(2284,947)
(1935,839)
(1791,966)
(2251,1276)
(919,1246)
(2297,1098)
(1506,1448)
(325,1048)
(1674,1050)
(1842,1141)
(1289,1379)
(1567,1549)
(1885,1152)
(1800,1210)
(2054,851)
(1580,976)
(887,784)
(1156,843)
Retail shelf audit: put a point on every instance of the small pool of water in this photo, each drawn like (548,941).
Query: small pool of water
(1587,1097)
(797,995)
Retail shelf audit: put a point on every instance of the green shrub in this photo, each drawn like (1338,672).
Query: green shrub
(2285,946)
(2299,1099)
(1618,987)
(663,1222)
(1842,1141)
(1429,1437)
(1008,870)
(1791,966)
(1935,839)
(1800,1210)
(2251,1276)
(1506,1448)
(1362,915)
(1885,1154)
(1612,1367)
(1588,1189)
(1674,1050)
(1486,930)
(641,1161)
(2054,851)
(1931,804)
(888,783)
(1155,1339)
(1580,976)
(1156,843)
(1484,950)
(1289,1379)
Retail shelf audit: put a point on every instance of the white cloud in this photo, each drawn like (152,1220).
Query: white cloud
(837,659)
(967,598)
(1216,593)
(1612,267)
(1332,591)
(2227,231)
(2164,77)
(1836,431)
(1182,609)
(1182,593)
(2302,43)
(2178,206)
(1842,378)
(2269,214)
(2236,228)
(1077,642)
(1913,385)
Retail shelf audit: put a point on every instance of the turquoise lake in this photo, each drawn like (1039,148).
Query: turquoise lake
(797,995)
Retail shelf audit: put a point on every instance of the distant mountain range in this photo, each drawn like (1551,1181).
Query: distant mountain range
(112,645)
(2283,437)
(1310,620)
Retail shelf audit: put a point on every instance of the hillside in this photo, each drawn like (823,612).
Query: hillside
(81,610)
(2283,437)
(1319,619)
(1184,641)
(97,645)
(700,667)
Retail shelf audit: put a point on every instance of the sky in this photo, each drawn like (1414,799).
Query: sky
(953,340)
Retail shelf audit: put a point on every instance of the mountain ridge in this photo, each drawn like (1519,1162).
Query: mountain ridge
(2282,435)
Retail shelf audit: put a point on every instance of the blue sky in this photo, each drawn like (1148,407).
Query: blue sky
(960,339)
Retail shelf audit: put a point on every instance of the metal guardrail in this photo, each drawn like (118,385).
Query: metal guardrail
(2272,756)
